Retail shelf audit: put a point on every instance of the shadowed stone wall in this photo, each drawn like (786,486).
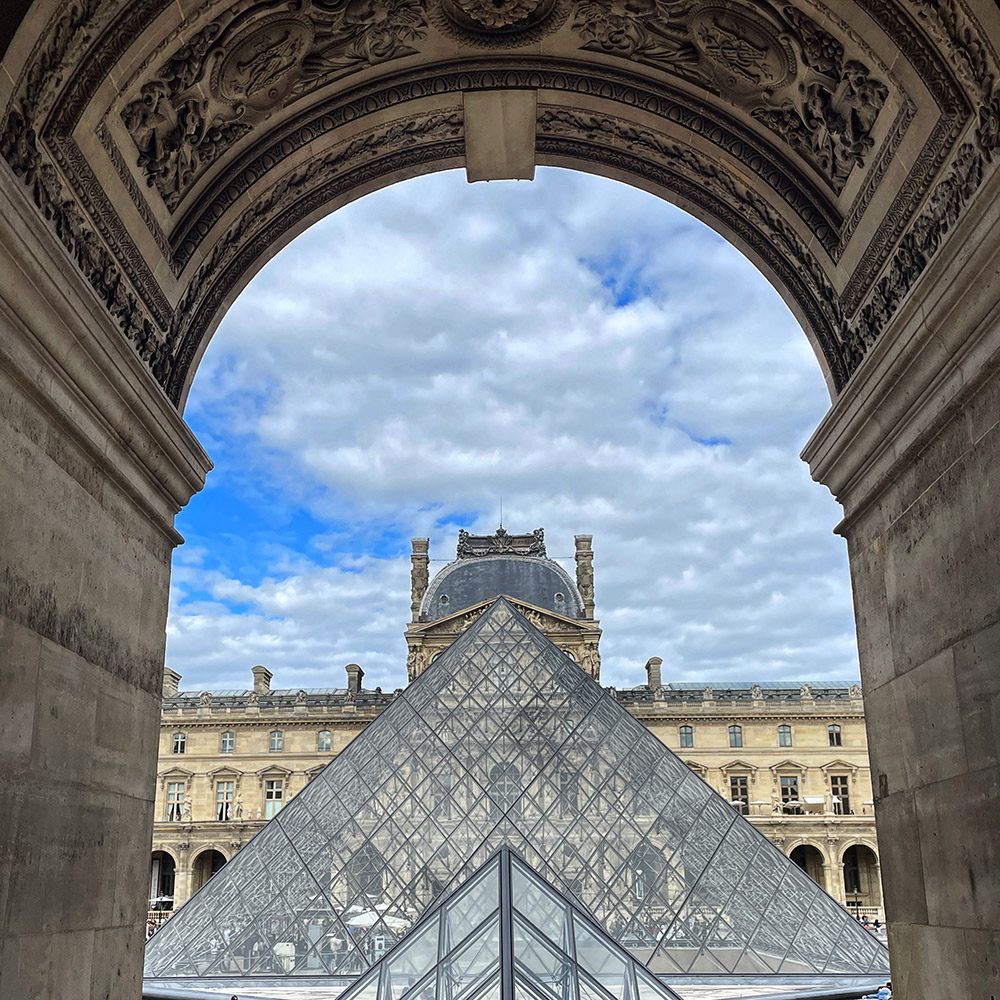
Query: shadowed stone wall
(917,466)
(87,495)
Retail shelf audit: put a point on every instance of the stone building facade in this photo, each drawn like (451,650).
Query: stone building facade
(791,757)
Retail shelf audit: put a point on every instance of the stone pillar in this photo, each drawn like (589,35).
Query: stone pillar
(183,876)
(911,448)
(585,572)
(653,680)
(96,462)
(261,680)
(419,574)
(171,682)
(355,675)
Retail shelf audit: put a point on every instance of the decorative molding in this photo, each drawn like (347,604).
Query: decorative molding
(680,168)
(498,24)
(238,69)
(500,543)
(442,141)
(815,92)
(774,62)
(735,139)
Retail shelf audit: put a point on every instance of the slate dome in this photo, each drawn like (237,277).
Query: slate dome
(488,566)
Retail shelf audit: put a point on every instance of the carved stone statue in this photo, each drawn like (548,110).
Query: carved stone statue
(708,694)
(855,692)
(805,693)
(300,698)
(756,693)
(186,811)
(253,698)
(238,810)
(205,699)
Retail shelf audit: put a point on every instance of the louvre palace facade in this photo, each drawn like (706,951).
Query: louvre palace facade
(791,757)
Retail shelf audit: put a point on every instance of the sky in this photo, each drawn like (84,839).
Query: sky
(581,351)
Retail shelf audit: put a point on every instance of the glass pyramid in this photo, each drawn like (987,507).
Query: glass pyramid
(506,934)
(505,741)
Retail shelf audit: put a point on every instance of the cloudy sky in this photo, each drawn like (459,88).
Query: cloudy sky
(594,356)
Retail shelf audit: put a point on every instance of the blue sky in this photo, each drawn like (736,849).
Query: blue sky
(592,355)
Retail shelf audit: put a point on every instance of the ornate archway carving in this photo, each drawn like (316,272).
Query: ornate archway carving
(173,157)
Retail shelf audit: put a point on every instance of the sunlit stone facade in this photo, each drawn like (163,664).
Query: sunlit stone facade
(791,757)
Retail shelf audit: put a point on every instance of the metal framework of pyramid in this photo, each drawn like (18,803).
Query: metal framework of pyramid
(505,741)
(506,933)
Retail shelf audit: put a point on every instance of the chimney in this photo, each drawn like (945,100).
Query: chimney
(262,680)
(585,573)
(653,680)
(355,675)
(171,680)
(419,560)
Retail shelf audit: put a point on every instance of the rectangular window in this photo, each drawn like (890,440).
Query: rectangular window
(736,736)
(836,738)
(569,793)
(784,736)
(180,741)
(175,800)
(228,744)
(441,800)
(841,794)
(274,790)
(324,741)
(223,801)
(687,736)
(277,740)
(739,792)
(790,793)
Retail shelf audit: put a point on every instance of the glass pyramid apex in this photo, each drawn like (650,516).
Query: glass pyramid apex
(506,934)
(506,742)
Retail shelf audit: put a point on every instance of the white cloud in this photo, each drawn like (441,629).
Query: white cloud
(436,346)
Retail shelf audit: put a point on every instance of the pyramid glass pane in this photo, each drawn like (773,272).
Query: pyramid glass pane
(506,956)
(505,741)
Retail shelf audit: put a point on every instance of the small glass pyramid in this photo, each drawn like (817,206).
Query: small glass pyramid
(507,933)
(506,742)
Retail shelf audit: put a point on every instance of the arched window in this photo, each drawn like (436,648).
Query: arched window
(180,742)
(324,740)
(365,871)
(687,736)
(228,742)
(834,733)
(736,736)
(277,741)
(784,736)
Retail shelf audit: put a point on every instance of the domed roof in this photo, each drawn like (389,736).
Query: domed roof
(490,565)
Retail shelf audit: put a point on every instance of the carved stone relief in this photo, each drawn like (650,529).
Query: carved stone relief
(237,70)
(773,61)
(499,23)
(748,213)
(823,94)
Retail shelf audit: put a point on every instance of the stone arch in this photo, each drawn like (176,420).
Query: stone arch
(173,204)
(206,863)
(861,874)
(162,879)
(812,859)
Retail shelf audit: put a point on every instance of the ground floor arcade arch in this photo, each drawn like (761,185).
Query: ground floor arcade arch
(118,261)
